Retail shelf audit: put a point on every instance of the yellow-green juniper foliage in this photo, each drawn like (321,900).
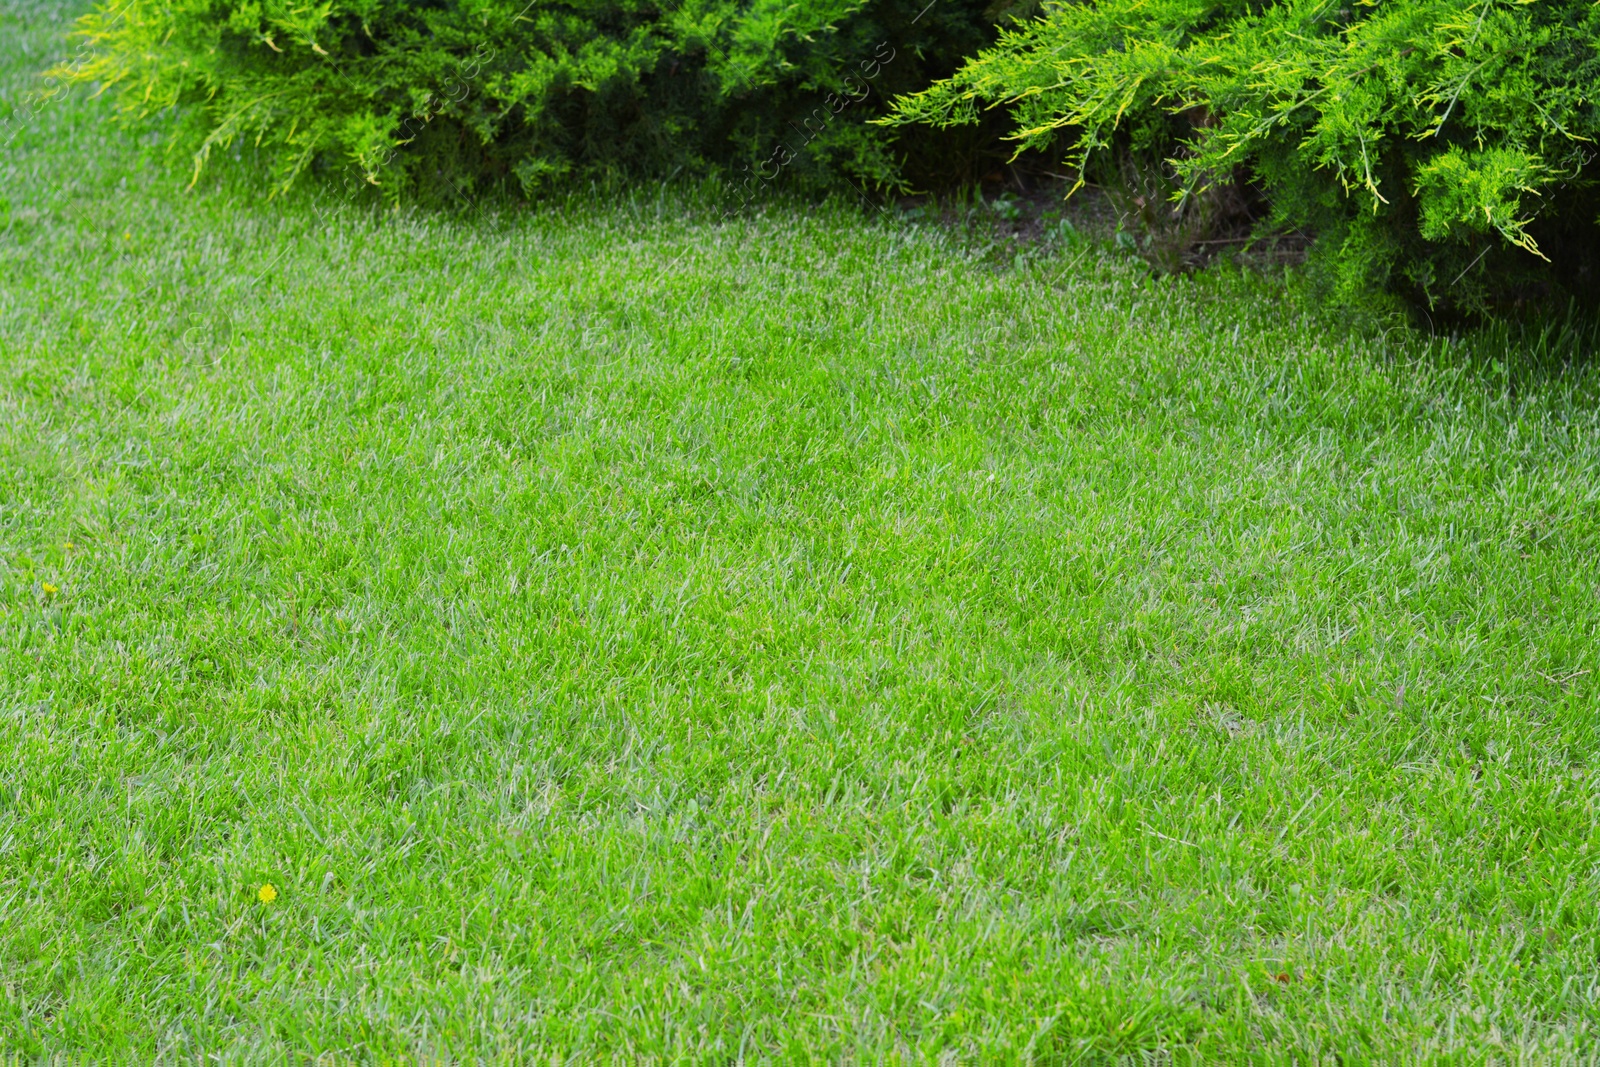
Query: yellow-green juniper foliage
(1442,148)
(532,90)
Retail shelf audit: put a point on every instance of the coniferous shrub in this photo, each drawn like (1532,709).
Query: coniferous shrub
(449,94)
(1440,150)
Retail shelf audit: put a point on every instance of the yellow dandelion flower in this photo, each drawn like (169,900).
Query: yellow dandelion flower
(267,893)
(71,546)
(49,590)
(127,235)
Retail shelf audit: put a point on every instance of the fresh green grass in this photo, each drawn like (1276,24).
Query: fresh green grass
(619,634)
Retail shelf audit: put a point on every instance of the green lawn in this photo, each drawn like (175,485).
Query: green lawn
(615,633)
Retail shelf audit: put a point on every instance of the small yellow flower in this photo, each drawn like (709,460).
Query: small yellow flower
(267,893)
(127,235)
(71,546)
(49,590)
